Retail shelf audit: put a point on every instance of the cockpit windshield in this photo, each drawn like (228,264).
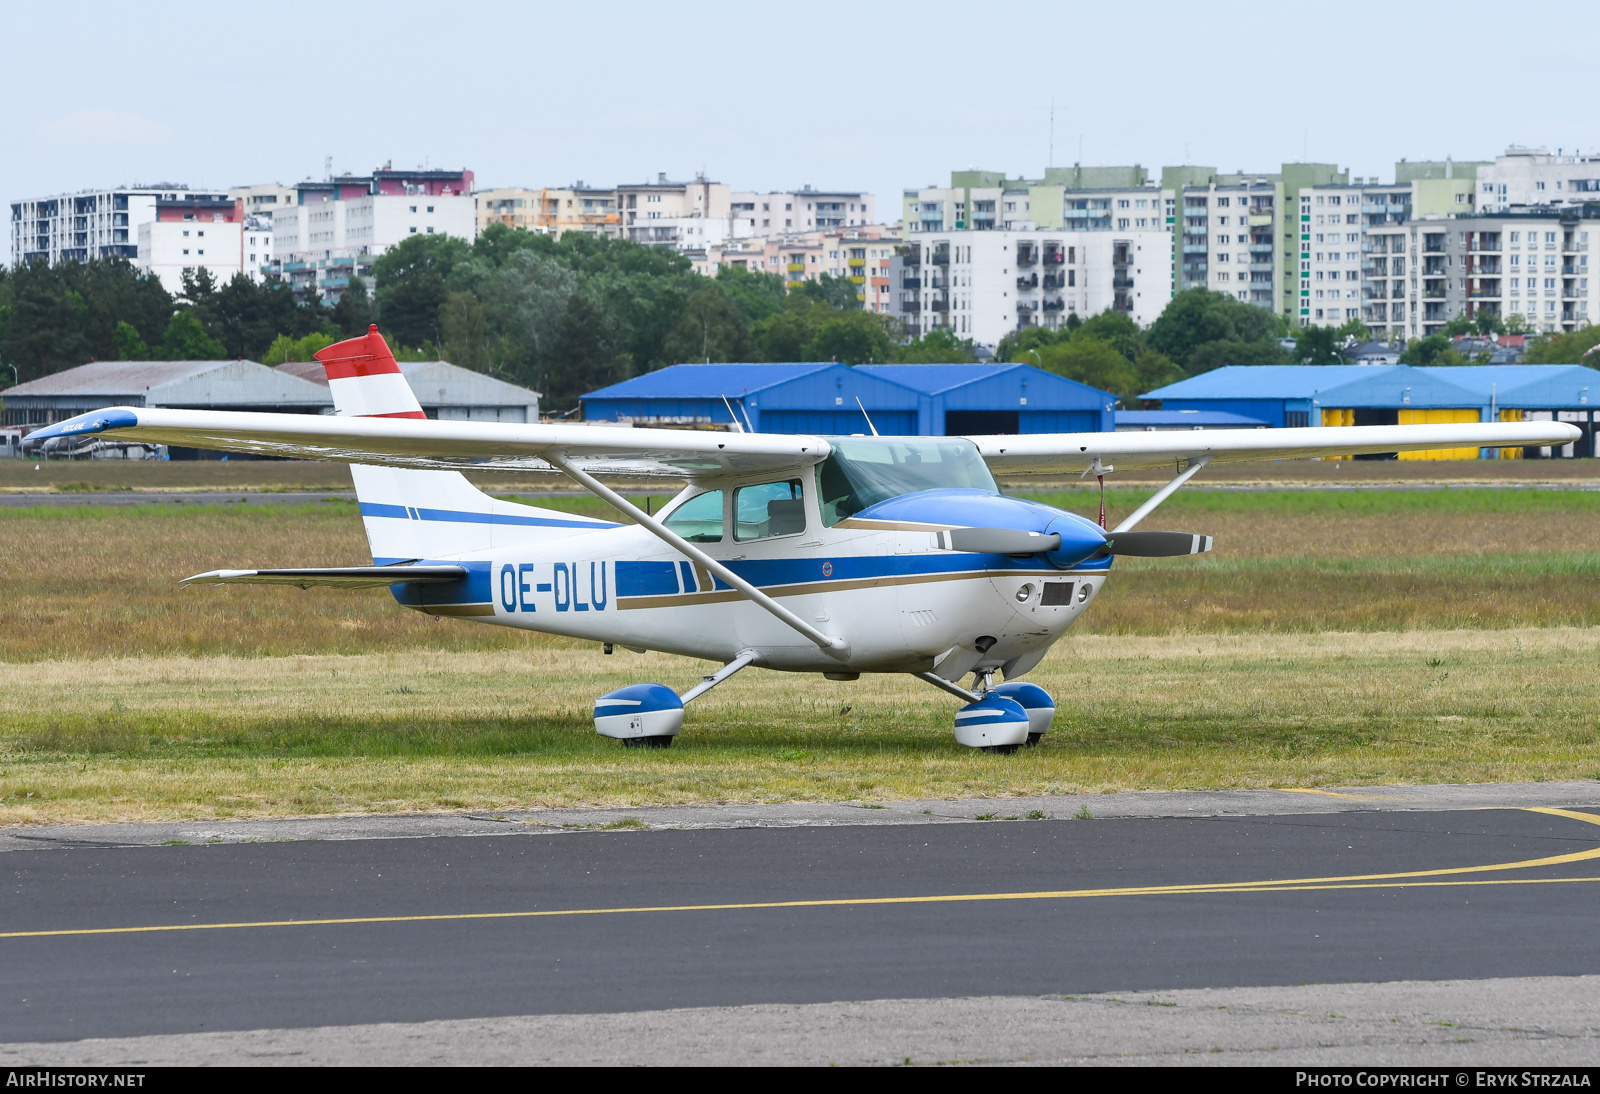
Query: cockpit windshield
(863,471)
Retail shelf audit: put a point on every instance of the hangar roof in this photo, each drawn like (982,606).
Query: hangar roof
(1327,385)
(707,381)
(1527,386)
(173,383)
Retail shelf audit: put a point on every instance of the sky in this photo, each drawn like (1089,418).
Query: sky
(876,96)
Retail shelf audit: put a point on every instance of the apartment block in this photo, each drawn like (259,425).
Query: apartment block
(1332,253)
(262,199)
(804,210)
(89,224)
(576,208)
(1535,264)
(190,234)
(1227,240)
(337,226)
(1532,176)
(984,284)
(639,204)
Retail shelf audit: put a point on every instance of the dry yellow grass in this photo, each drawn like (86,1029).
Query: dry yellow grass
(422,730)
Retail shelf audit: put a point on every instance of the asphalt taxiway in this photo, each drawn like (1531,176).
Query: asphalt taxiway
(192,949)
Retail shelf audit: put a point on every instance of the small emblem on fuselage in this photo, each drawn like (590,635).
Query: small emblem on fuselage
(827,569)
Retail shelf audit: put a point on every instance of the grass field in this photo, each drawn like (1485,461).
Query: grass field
(220,737)
(1336,637)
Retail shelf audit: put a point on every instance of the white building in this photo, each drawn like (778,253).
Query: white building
(1532,176)
(1334,254)
(263,199)
(982,285)
(338,226)
(191,233)
(257,245)
(756,214)
(640,203)
(682,233)
(89,224)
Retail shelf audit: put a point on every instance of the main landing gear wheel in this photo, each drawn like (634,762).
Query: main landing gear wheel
(994,724)
(1003,750)
(1033,699)
(640,715)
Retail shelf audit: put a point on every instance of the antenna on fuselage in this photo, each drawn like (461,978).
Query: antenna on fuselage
(734,418)
(867,416)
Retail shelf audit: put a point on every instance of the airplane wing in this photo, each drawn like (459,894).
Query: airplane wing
(1057,453)
(409,442)
(452,445)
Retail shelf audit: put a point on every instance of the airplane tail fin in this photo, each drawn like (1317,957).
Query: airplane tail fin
(423,514)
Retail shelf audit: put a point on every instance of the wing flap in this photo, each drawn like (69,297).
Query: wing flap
(334,577)
(1057,453)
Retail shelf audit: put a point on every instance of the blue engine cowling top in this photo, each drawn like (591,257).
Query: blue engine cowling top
(1081,538)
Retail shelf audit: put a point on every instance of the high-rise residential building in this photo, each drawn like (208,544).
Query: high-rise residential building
(190,234)
(640,203)
(804,210)
(552,211)
(337,226)
(1532,176)
(1227,240)
(985,284)
(91,223)
(1534,264)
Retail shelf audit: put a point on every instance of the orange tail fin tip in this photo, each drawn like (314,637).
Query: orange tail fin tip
(367,355)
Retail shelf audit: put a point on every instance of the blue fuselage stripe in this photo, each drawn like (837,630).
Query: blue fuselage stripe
(455,516)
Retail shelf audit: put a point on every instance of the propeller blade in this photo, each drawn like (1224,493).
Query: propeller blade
(999,541)
(1156,544)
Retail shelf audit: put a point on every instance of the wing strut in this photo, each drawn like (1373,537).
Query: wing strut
(830,644)
(1160,495)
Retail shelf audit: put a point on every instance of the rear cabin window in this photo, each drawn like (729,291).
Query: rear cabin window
(698,520)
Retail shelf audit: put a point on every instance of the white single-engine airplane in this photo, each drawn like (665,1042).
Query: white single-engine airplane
(837,555)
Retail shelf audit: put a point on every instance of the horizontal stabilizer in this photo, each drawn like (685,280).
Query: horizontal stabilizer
(1157,544)
(336,577)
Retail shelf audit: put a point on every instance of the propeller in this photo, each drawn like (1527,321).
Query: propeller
(1156,544)
(999,541)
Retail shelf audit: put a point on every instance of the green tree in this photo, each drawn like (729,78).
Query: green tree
(1318,346)
(1210,355)
(411,285)
(587,355)
(49,325)
(1487,322)
(353,314)
(1116,328)
(1457,326)
(852,338)
(284,348)
(939,346)
(1515,324)
(130,346)
(1095,362)
(1436,349)
(1198,317)
(186,340)
(756,295)
(1564,349)
(1154,370)
(712,329)
(831,291)
(786,335)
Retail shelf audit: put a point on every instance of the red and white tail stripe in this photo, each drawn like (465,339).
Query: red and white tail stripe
(365,380)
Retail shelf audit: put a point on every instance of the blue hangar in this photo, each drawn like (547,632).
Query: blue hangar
(1315,395)
(821,398)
